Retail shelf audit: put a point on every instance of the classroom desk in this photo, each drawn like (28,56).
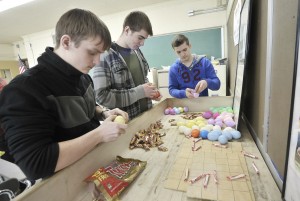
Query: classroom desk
(149,186)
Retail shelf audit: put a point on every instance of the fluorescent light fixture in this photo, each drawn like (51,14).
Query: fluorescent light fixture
(8,4)
(209,10)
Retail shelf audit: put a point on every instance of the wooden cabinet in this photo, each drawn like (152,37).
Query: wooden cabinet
(162,77)
(163,83)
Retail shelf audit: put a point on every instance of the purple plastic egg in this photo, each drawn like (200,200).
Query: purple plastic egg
(230,123)
(172,112)
(185,109)
(207,115)
(211,121)
(167,111)
(219,123)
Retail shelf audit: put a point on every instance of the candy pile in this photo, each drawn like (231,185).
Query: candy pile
(148,138)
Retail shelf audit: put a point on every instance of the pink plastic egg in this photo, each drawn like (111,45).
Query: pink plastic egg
(215,115)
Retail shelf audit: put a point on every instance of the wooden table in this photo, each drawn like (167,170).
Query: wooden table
(149,186)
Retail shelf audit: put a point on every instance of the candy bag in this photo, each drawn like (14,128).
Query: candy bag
(108,182)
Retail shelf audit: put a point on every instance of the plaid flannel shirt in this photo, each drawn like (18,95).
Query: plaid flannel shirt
(114,85)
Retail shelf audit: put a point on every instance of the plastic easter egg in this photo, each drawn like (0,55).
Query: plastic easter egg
(228,129)
(201,124)
(195,127)
(229,109)
(195,133)
(211,121)
(189,124)
(205,128)
(215,110)
(177,111)
(181,129)
(200,119)
(204,133)
(172,112)
(180,123)
(180,109)
(207,115)
(227,118)
(235,134)
(196,95)
(213,135)
(187,131)
(217,127)
(223,139)
(219,118)
(167,111)
(215,115)
(210,126)
(230,123)
(219,123)
(185,109)
(227,134)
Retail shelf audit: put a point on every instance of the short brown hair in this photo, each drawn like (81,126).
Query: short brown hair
(179,40)
(81,24)
(137,21)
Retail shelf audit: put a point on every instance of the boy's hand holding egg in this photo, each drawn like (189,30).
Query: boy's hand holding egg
(120,120)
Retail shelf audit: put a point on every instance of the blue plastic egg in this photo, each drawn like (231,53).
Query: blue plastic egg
(214,135)
(227,134)
(235,134)
(204,134)
(223,139)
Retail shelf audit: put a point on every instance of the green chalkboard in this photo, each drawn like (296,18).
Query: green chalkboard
(159,52)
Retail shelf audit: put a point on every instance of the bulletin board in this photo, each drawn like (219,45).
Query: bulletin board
(243,47)
(159,52)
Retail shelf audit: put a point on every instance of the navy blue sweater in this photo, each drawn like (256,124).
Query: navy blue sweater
(49,103)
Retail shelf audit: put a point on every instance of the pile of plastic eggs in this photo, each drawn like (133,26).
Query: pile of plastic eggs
(217,124)
(222,116)
(176,110)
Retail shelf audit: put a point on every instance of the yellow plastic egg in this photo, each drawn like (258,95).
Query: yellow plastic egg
(180,123)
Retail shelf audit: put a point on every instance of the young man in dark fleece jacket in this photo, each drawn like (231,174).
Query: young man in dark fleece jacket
(49,113)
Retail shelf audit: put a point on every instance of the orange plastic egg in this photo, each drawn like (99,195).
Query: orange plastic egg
(195,133)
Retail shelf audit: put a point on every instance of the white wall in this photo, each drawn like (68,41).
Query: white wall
(6,52)
(36,43)
(19,49)
(167,17)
